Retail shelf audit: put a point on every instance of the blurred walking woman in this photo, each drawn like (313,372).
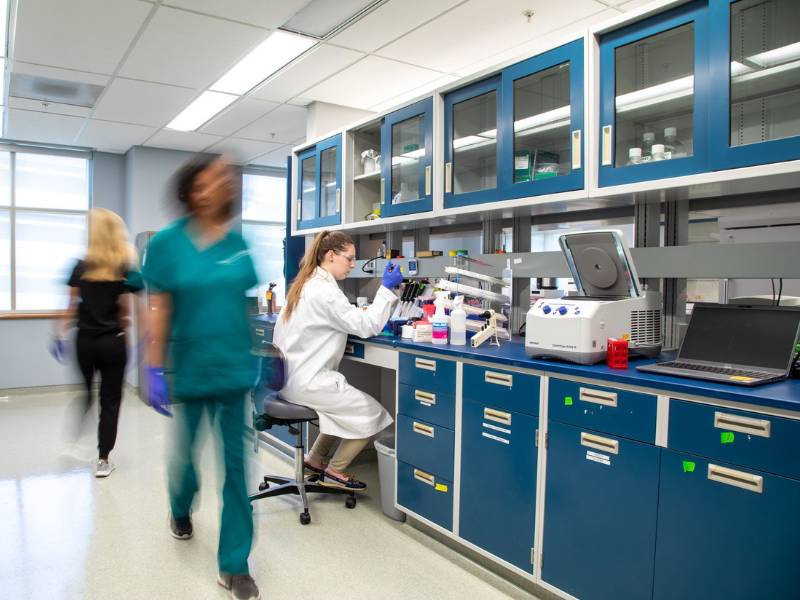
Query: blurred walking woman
(100,287)
(199,269)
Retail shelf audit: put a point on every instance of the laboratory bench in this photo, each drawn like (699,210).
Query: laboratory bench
(591,482)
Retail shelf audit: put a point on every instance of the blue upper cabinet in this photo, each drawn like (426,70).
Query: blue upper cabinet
(654,90)
(755,75)
(542,108)
(407,160)
(319,184)
(472,143)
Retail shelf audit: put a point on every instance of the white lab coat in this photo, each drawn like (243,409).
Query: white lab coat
(313,341)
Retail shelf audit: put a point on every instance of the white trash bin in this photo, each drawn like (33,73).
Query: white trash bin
(387,474)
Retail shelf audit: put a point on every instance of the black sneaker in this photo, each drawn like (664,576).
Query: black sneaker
(180,528)
(348,482)
(241,586)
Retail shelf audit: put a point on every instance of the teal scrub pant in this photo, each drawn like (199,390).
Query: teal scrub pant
(227,417)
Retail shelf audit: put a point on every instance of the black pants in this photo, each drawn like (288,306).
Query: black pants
(108,355)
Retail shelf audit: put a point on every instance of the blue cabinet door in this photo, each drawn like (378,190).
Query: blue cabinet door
(654,90)
(498,482)
(425,493)
(319,184)
(542,108)
(472,142)
(601,498)
(725,532)
(407,160)
(755,108)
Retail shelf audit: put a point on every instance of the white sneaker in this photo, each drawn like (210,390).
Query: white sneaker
(104,468)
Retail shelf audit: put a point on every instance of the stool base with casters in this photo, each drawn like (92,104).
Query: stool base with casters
(277,411)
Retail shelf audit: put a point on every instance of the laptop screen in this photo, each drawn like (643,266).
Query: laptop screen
(756,336)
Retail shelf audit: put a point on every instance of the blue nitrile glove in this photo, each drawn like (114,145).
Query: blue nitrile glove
(58,348)
(157,392)
(392,276)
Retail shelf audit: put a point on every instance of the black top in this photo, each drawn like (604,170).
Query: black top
(98,310)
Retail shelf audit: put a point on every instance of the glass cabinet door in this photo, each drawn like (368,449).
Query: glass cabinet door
(755,72)
(653,86)
(319,184)
(472,114)
(408,160)
(329,185)
(308,187)
(545,96)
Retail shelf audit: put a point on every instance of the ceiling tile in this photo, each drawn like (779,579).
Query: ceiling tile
(389,22)
(318,64)
(370,81)
(53,108)
(286,122)
(241,113)
(142,103)
(276,158)
(481,28)
(264,13)
(33,126)
(182,48)
(87,35)
(191,141)
(113,137)
(54,73)
(628,5)
(415,93)
(242,150)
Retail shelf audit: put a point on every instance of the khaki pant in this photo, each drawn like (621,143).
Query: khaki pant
(345,453)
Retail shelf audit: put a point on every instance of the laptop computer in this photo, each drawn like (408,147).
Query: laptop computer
(742,345)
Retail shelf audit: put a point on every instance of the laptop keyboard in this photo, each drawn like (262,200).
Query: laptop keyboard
(721,370)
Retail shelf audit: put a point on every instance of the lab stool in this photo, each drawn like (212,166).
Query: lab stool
(277,411)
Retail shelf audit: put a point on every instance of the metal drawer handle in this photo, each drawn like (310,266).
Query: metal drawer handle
(759,427)
(740,479)
(260,331)
(576,149)
(350,349)
(498,416)
(425,397)
(424,429)
(606,152)
(383,189)
(598,397)
(496,438)
(424,477)
(299,209)
(448,178)
(599,443)
(498,378)
(338,200)
(428,180)
(424,363)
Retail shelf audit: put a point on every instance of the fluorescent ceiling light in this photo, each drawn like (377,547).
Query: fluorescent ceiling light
(319,18)
(201,110)
(276,51)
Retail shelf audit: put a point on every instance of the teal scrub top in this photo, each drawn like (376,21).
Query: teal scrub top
(209,340)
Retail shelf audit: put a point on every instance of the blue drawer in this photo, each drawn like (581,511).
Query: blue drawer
(262,333)
(620,412)
(355,349)
(430,374)
(506,390)
(739,437)
(434,407)
(425,494)
(425,445)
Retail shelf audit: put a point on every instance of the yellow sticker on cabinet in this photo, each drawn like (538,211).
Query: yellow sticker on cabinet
(741,378)
(440,487)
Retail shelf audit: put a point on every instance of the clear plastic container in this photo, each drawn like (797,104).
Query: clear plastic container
(648,139)
(458,323)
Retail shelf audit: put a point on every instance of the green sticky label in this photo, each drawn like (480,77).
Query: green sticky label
(688,466)
(726,437)
(567,400)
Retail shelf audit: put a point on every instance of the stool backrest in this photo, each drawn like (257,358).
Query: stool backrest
(272,370)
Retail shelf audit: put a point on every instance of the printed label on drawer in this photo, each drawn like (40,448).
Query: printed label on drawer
(688,466)
(726,437)
(598,458)
(567,400)
(440,487)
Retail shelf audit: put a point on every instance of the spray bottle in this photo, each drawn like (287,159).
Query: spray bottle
(440,320)
(458,323)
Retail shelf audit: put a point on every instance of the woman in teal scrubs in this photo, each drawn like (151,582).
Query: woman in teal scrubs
(198,270)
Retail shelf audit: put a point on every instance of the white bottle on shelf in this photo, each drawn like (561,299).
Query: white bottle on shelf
(673,148)
(458,323)
(439,321)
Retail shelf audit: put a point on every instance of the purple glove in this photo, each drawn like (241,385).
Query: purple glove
(58,349)
(392,276)
(157,392)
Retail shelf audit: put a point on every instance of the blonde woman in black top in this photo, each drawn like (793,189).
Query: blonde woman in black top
(100,287)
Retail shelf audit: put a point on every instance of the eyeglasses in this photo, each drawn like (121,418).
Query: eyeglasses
(348,258)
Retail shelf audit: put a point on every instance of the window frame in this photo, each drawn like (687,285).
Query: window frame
(13,210)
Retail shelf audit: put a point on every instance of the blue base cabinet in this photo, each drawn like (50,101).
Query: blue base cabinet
(425,493)
(725,532)
(600,514)
(497,498)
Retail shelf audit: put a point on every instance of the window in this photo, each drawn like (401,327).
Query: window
(264,227)
(44,200)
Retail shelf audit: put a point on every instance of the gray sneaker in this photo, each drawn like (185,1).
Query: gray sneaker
(104,469)
(242,586)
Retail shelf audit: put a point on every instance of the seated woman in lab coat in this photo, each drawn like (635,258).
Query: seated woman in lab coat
(312,331)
